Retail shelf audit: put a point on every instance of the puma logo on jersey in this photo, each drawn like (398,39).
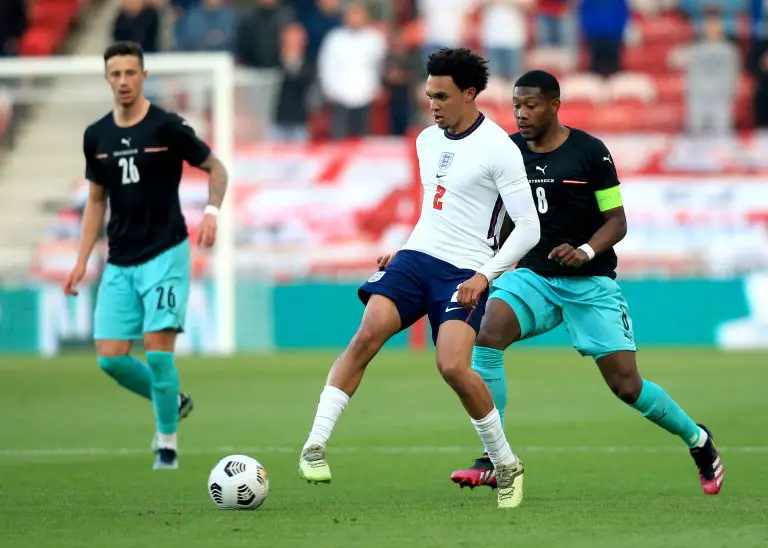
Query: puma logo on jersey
(607,159)
(126,141)
(542,169)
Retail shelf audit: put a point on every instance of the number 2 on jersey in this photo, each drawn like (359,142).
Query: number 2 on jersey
(541,199)
(130,171)
(437,203)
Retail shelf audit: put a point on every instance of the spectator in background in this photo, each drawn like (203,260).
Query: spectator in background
(137,21)
(602,24)
(444,24)
(349,66)
(399,76)
(292,114)
(712,75)
(258,35)
(730,11)
(209,26)
(555,23)
(319,20)
(761,93)
(503,36)
(179,9)
(13,23)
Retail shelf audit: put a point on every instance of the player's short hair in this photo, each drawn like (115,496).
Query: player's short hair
(546,82)
(467,68)
(124,48)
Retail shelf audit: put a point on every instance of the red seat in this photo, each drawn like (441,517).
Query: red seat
(668,28)
(649,58)
(37,42)
(670,87)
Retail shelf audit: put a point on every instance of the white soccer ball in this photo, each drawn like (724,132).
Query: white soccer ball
(238,482)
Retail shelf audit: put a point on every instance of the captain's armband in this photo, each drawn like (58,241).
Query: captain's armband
(608,198)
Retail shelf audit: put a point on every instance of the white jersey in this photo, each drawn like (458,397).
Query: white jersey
(466,178)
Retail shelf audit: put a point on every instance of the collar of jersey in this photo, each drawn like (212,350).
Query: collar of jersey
(467,132)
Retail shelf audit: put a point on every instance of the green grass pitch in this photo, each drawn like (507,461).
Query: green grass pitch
(75,466)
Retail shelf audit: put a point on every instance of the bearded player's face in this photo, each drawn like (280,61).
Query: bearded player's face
(447,103)
(126,78)
(534,113)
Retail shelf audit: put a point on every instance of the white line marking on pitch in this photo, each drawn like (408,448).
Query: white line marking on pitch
(127,451)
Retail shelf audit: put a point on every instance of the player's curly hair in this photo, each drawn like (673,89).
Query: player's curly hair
(467,68)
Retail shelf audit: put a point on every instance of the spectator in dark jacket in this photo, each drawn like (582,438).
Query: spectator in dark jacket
(602,24)
(258,36)
(13,23)
(319,20)
(207,27)
(292,112)
(137,22)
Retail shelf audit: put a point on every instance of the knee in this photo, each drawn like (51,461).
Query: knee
(496,335)
(452,370)
(160,341)
(626,387)
(489,338)
(111,365)
(367,341)
(113,349)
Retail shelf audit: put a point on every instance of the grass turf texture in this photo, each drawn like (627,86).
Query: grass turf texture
(75,467)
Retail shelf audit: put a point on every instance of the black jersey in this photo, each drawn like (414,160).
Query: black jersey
(564,182)
(140,169)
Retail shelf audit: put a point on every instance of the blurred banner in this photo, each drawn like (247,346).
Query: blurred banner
(730,314)
(328,210)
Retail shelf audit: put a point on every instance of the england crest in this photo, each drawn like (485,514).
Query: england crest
(445,161)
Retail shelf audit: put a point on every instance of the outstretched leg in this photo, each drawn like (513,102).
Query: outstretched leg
(381,321)
(619,370)
(454,343)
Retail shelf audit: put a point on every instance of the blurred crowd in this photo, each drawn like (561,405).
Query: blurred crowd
(342,58)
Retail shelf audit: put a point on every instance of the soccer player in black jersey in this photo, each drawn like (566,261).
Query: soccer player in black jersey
(569,276)
(134,157)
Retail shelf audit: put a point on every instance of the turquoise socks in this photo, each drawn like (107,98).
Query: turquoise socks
(165,391)
(129,373)
(656,405)
(489,364)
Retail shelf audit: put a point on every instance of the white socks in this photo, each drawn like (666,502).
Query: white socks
(703,437)
(332,403)
(495,442)
(167,441)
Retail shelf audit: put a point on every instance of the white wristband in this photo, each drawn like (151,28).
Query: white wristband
(211,210)
(586,248)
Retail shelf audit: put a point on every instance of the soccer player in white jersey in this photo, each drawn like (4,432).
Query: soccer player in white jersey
(471,173)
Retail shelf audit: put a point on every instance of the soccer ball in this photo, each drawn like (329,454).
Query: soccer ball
(238,482)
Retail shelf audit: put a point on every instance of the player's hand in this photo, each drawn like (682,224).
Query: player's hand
(206,232)
(384,260)
(74,278)
(567,255)
(471,290)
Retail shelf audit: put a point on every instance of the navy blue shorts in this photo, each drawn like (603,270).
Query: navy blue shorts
(420,284)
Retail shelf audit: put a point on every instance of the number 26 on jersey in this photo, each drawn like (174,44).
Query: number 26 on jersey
(130,171)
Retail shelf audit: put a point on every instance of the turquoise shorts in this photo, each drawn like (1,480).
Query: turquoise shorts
(592,308)
(144,298)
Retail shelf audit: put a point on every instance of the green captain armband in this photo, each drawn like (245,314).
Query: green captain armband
(608,198)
